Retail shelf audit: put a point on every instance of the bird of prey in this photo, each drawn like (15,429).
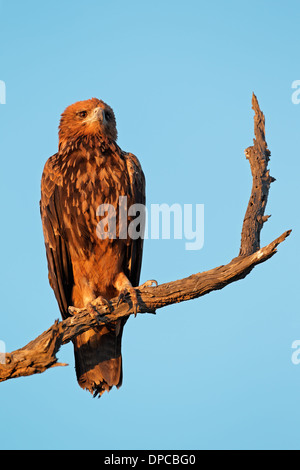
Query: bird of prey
(89,170)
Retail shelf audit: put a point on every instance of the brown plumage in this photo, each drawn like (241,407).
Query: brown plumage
(89,170)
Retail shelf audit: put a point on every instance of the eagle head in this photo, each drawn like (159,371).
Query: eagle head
(87,118)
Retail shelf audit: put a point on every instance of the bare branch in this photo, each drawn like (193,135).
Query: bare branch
(258,156)
(40,354)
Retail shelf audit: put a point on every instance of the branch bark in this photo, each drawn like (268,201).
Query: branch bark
(258,156)
(40,354)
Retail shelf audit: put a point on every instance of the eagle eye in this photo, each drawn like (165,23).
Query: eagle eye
(82,114)
(107,115)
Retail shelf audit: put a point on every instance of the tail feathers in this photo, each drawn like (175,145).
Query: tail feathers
(98,359)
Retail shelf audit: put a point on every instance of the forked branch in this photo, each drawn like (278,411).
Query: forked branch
(40,354)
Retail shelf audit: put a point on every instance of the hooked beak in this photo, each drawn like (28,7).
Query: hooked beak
(97,115)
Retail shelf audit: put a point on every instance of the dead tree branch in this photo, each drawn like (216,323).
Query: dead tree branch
(40,354)
(258,156)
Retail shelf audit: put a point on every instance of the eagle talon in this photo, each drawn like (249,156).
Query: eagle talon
(72,311)
(149,284)
(131,292)
(92,308)
(93,312)
(121,298)
(102,302)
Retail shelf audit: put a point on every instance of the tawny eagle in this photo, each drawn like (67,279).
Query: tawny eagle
(89,170)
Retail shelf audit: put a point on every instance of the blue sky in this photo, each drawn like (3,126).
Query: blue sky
(211,373)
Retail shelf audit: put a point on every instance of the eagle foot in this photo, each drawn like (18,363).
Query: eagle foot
(72,311)
(149,284)
(93,308)
(131,293)
(102,302)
